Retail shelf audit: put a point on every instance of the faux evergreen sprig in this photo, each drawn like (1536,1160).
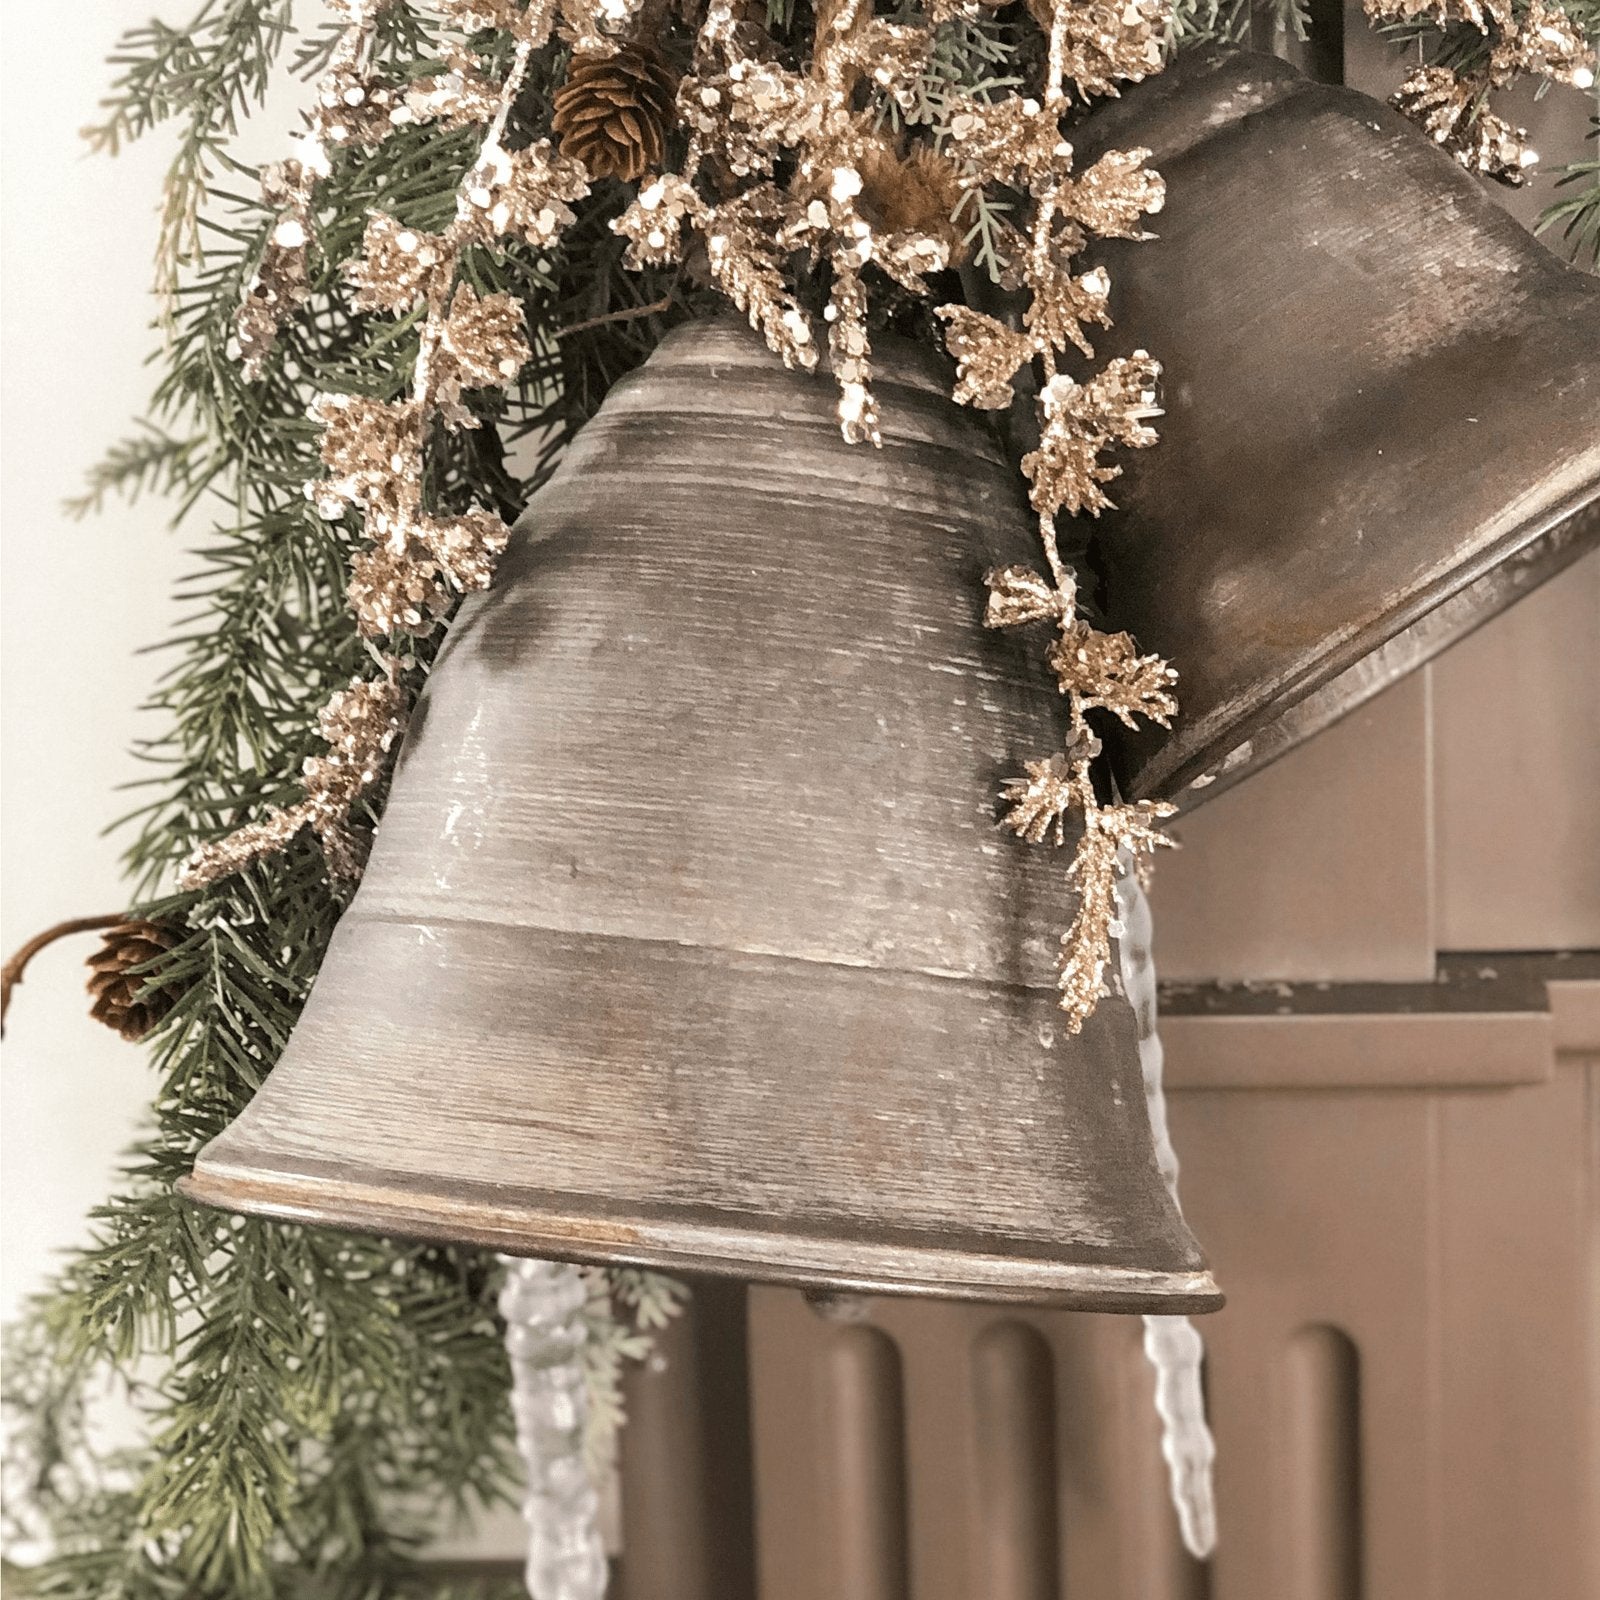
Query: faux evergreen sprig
(1576,215)
(313,1407)
(1487,45)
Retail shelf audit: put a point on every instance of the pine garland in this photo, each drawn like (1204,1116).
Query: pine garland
(326,1403)
(316,1406)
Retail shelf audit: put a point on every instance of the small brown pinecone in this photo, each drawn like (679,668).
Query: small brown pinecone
(918,192)
(131,1002)
(613,112)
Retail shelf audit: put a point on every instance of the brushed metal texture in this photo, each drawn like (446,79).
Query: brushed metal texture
(1382,410)
(688,937)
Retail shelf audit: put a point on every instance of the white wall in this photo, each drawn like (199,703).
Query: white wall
(76,238)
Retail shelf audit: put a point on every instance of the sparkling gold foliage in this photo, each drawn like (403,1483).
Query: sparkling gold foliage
(408,583)
(1114,196)
(1450,102)
(1110,832)
(1042,806)
(1106,42)
(1019,594)
(366,446)
(1549,44)
(653,225)
(1043,802)
(1106,671)
(361,724)
(989,355)
(417,563)
(352,108)
(474,16)
(458,98)
(797,179)
(396,266)
(1078,421)
(486,338)
(1450,110)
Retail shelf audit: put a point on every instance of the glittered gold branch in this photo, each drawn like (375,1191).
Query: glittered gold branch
(1040,807)
(751,112)
(416,563)
(361,723)
(1451,104)
(1079,421)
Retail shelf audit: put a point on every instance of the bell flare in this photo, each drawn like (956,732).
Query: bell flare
(688,938)
(641,1103)
(1381,411)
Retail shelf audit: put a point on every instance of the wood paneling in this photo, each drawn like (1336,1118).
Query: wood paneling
(1317,868)
(1516,730)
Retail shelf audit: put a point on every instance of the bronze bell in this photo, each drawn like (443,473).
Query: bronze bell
(1382,410)
(688,938)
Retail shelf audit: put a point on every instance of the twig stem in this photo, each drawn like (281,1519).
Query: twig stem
(11,973)
(625,315)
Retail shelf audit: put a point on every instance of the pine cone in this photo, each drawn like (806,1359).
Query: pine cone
(918,192)
(122,999)
(613,112)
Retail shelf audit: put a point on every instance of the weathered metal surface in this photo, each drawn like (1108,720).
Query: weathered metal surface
(688,937)
(1383,410)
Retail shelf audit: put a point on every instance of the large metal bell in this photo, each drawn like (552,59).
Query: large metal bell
(1383,410)
(688,937)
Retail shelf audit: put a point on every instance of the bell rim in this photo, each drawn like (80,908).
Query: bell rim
(1460,614)
(794,1258)
(1427,621)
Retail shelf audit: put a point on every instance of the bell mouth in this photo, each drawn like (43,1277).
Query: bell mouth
(1203,775)
(620,1101)
(538,1226)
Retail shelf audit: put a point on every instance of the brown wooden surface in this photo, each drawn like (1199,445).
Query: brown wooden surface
(1402,1385)
(1318,868)
(1516,740)
(687,1484)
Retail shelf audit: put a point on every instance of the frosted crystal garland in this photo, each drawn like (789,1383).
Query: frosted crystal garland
(1172,1344)
(543,1302)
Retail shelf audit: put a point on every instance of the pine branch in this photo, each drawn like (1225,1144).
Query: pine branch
(319,1388)
(206,73)
(150,461)
(1577,214)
